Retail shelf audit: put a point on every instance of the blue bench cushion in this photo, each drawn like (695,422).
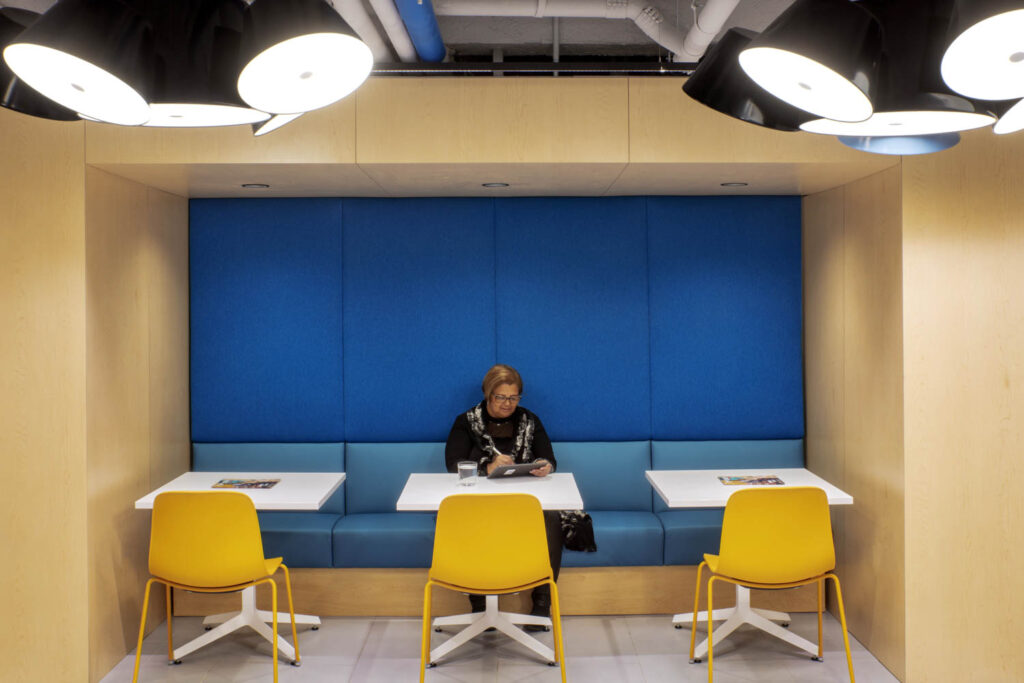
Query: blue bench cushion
(691,533)
(377,472)
(610,475)
(624,538)
(384,539)
(275,457)
(303,539)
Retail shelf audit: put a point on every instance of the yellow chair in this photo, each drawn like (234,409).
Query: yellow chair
(209,542)
(772,539)
(491,544)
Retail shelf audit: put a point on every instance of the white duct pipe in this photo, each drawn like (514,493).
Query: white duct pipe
(687,47)
(394,27)
(353,12)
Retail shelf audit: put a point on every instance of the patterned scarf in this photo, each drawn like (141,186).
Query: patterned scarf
(522,446)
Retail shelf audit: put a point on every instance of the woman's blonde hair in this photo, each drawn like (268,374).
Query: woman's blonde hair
(498,375)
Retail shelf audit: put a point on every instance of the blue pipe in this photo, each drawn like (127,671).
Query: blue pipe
(421,23)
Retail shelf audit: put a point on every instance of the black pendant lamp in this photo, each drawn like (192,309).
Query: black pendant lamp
(820,56)
(719,82)
(197,43)
(911,99)
(985,57)
(14,94)
(299,55)
(91,56)
(273,123)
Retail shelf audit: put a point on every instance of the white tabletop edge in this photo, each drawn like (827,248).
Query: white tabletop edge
(423,491)
(262,503)
(694,499)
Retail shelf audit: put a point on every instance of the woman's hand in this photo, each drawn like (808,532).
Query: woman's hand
(543,468)
(500,460)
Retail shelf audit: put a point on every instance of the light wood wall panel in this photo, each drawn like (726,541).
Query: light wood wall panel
(964,385)
(492,120)
(853,370)
(42,400)
(137,397)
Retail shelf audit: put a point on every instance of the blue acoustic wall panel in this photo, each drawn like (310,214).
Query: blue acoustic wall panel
(572,313)
(265,299)
(419,314)
(725,300)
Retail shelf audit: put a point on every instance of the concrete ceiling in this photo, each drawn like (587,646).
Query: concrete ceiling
(475,38)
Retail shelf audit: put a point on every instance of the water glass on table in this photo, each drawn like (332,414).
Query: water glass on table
(467,472)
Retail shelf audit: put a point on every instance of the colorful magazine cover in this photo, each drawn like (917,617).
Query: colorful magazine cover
(245,483)
(751,480)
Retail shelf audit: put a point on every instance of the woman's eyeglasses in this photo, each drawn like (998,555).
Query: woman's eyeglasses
(499,398)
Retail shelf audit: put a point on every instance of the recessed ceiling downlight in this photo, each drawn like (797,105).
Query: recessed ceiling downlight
(305,73)
(255,186)
(734,184)
(494,185)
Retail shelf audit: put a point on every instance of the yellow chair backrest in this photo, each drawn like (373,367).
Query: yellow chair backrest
(490,541)
(776,535)
(206,539)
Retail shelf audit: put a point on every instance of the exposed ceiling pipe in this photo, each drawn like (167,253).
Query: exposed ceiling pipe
(688,47)
(394,27)
(353,12)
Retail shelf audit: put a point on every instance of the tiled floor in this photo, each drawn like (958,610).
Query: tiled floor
(633,649)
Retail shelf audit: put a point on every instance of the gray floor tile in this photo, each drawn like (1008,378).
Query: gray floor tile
(632,649)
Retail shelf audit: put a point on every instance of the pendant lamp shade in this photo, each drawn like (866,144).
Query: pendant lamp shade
(1010,116)
(985,59)
(197,45)
(902,145)
(273,123)
(719,82)
(911,98)
(820,56)
(14,94)
(91,56)
(299,55)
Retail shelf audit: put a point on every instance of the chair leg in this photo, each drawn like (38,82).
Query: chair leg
(696,603)
(142,630)
(556,626)
(821,601)
(711,632)
(842,620)
(273,611)
(170,621)
(425,644)
(291,611)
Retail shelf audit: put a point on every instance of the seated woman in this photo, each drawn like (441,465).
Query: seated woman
(498,431)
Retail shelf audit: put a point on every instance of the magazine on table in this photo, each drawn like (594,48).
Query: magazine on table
(751,480)
(246,483)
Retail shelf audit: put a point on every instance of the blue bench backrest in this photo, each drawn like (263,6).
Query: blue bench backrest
(275,457)
(713,455)
(377,472)
(610,475)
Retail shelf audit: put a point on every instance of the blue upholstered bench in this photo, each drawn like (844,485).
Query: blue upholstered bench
(691,533)
(616,494)
(372,533)
(303,539)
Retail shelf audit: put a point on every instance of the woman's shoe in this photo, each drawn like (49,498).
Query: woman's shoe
(541,608)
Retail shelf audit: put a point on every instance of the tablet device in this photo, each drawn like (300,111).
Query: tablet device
(517,470)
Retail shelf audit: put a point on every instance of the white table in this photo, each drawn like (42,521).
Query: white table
(703,489)
(425,492)
(294,491)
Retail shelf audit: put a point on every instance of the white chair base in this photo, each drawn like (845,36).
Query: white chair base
(478,622)
(253,618)
(741,614)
